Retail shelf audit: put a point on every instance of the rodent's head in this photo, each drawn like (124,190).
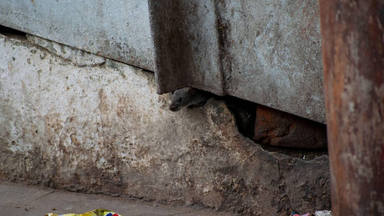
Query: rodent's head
(180,98)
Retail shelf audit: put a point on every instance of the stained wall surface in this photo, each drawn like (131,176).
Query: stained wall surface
(84,123)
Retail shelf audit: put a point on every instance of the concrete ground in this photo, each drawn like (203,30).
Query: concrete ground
(23,200)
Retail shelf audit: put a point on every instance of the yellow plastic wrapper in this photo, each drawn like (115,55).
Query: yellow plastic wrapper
(96,212)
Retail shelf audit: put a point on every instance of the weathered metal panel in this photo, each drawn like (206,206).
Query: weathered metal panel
(266,51)
(187,49)
(118,29)
(263,51)
(353,58)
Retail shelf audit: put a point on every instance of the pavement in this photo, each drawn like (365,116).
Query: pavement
(27,200)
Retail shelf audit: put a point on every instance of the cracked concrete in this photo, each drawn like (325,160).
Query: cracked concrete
(78,57)
(103,129)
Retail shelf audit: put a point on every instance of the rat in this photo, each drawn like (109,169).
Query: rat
(243,111)
(188,97)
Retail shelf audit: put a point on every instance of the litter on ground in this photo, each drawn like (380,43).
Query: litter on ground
(96,212)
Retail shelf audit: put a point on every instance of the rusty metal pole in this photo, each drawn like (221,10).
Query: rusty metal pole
(353,57)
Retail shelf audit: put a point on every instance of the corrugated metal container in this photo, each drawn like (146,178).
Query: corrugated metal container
(265,51)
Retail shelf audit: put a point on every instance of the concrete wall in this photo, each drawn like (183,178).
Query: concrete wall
(99,126)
